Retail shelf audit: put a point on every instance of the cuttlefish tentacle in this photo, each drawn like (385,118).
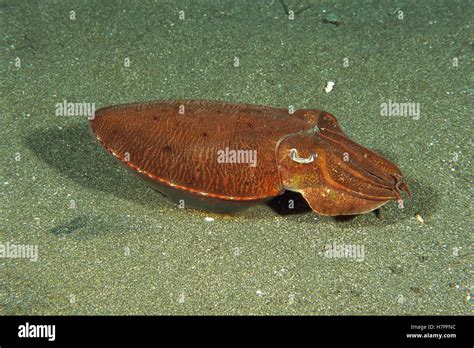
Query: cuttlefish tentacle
(373,167)
(344,179)
(365,172)
(371,190)
(401,186)
(373,163)
(357,170)
(362,163)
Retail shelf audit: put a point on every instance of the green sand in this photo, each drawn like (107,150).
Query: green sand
(125,249)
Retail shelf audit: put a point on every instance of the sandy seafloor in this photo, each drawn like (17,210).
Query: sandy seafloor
(126,249)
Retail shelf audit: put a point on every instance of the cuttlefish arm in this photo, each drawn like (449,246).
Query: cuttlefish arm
(335,175)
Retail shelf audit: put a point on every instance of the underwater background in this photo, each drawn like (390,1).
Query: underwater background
(109,244)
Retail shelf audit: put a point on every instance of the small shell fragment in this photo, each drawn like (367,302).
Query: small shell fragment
(419,218)
(329,86)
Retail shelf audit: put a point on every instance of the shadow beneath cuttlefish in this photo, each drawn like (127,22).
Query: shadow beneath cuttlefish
(74,153)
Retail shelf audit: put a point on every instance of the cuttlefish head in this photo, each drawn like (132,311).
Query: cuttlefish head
(335,175)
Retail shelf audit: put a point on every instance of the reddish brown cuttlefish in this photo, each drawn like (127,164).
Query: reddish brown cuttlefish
(225,156)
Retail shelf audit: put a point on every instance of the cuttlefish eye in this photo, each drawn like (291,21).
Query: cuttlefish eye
(295,157)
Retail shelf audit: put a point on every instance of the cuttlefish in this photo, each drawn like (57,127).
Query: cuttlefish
(225,156)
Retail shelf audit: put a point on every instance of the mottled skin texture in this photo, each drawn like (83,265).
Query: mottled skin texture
(175,145)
